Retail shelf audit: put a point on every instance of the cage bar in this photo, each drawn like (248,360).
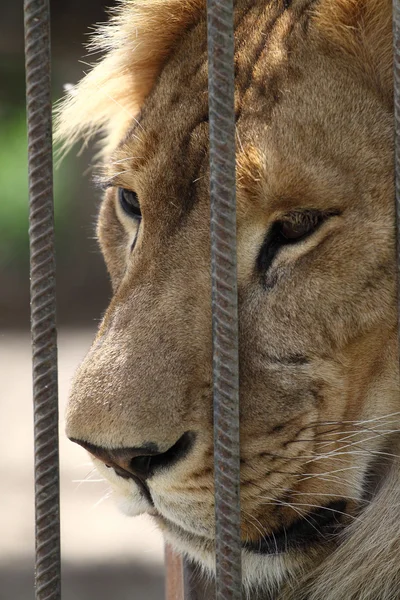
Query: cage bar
(174,587)
(43,319)
(220,27)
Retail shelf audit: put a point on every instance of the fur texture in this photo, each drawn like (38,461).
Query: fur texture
(137,41)
(318,343)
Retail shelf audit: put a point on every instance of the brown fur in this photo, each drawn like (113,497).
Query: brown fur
(318,350)
(363,29)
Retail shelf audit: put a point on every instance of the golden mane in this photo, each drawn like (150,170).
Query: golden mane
(136,41)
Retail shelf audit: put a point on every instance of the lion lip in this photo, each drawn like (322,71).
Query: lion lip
(320,525)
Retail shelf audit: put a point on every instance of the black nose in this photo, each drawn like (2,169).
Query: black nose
(140,463)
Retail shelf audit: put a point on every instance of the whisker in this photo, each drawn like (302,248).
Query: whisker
(107,495)
(367,431)
(239,140)
(117,162)
(361,451)
(338,451)
(360,422)
(87,477)
(294,508)
(296,493)
(308,476)
(261,531)
(316,506)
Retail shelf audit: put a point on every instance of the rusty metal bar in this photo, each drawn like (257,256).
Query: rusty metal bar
(43,320)
(181,579)
(174,575)
(220,26)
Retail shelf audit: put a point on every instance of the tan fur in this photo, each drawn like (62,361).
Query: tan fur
(318,346)
(363,29)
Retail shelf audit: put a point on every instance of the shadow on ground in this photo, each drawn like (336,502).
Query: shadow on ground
(89,582)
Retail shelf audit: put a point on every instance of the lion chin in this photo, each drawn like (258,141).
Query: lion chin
(260,569)
(319,375)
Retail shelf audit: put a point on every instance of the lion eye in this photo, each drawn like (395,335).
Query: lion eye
(129,203)
(291,229)
(299,225)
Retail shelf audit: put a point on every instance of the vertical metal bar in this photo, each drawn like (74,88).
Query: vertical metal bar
(181,582)
(220,23)
(174,575)
(43,321)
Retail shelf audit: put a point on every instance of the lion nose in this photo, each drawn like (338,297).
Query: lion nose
(129,463)
(140,463)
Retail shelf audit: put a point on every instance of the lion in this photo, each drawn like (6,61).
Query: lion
(319,381)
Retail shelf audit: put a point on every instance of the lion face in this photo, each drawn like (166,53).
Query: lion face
(317,306)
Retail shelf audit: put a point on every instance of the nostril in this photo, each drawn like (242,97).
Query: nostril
(145,466)
(175,453)
(141,463)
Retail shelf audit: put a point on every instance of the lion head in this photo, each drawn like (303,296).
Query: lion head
(317,295)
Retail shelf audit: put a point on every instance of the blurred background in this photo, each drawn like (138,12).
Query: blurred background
(104,554)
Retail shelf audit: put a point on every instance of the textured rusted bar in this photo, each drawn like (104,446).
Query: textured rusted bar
(224,298)
(43,322)
(181,580)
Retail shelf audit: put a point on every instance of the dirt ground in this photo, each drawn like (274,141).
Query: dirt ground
(105,555)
